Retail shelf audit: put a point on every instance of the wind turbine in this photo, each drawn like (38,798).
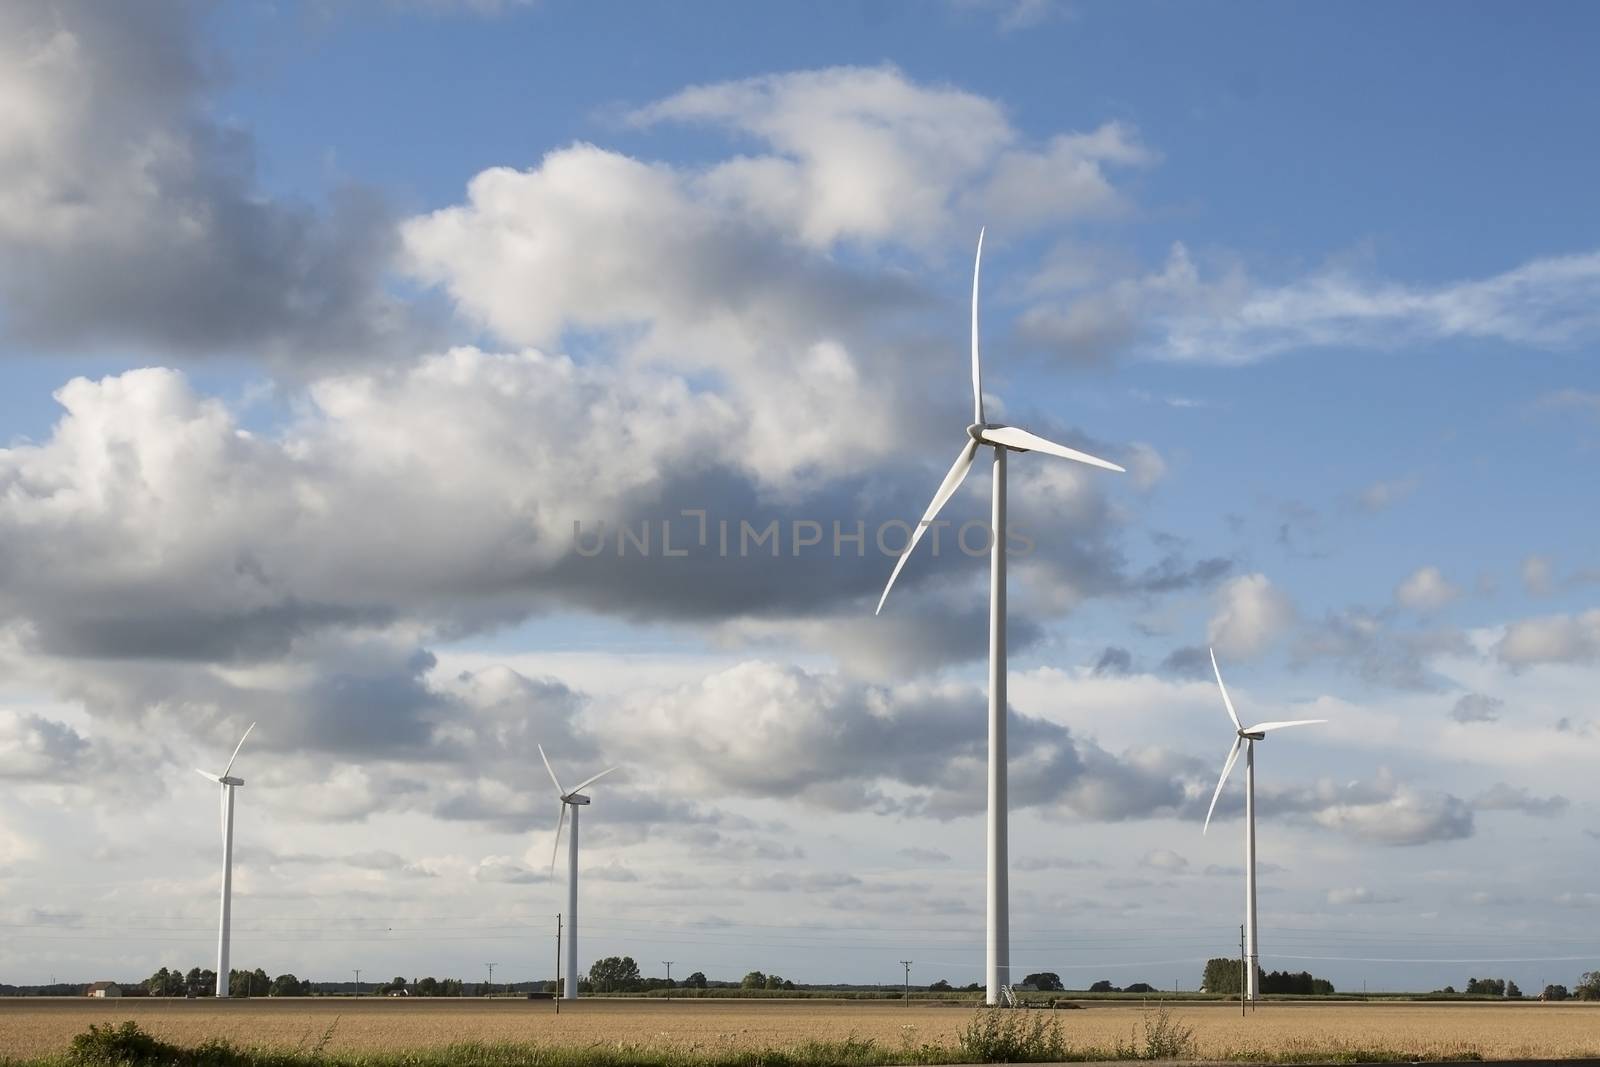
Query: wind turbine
(228,784)
(1002,439)
(570,798)
(1246,738)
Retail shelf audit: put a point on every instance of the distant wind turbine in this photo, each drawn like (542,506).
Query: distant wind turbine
(228,784)
(1246,738)
(1003,439)
(570,798)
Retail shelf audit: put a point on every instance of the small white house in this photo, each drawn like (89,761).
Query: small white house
(104,989)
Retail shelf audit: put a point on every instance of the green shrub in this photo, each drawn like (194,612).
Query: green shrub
(1003,1035)
(1164,1038)
(125,1044)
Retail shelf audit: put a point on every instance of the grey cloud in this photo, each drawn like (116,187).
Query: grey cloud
(766,730)
(36,749)
(1503,797)
(1190,661)
(1369,644)
(1113,661)
(1477,707)
(132,217)
(925,855)
(1551,639)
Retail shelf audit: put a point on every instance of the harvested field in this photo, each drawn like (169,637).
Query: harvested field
(40,1027)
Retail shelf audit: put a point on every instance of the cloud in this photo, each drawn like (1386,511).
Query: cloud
(865,153)
(130,218)
(1537,577)
(1367,642)
(1113,661)
(1551,639)
(1502,797)
(1251,614)
(774,731)
(1164,859)
(925,855)
(33,748)
(1383,495)
(1476,707)
(1384,811)
(1426,590)
(1176,313)
(1358,895)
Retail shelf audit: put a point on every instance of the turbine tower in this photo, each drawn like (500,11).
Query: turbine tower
(1002,439)
(228,784)
(1246,738)
(570,798)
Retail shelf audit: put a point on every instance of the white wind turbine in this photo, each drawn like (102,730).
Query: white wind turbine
(1002,439)
(228,784)
(1246,738)
(574,799)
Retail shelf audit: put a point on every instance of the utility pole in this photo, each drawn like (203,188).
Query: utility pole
(358,981)
(907,965)
(489,990)
(669,978)
(558,963)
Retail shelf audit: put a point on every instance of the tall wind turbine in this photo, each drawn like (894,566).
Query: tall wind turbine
(228,784)
(570,798)
(1246,738)
(1002,439)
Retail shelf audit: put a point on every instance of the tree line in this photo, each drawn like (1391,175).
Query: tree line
(1223,975)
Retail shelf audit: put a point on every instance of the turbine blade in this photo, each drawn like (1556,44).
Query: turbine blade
(590,781)
(947,488)
(236,749)
(1227,768)
(556,849)
(552,771)
(1261,728)
(1013,437)
(977,367)
(208,776)
(1225,701)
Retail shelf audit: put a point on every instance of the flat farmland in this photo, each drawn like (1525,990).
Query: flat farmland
(31,1027)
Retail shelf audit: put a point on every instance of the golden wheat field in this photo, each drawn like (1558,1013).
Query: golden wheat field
(32,1027)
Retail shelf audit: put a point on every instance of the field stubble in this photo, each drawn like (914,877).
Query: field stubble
(39,1027)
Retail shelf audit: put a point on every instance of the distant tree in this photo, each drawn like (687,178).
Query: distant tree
(753,980)
(788,984)
(941,986)
(1448,991)
(972,987)
(286,985)
(697,980)
(1139,987)
(774,981)
(1045,980)
(1554,992)
(615,974)
(1486,987)
(1301,982)
(428,987)
(1512,991)
(165,983)
(1103,986)
(1222,976)
(1588,987)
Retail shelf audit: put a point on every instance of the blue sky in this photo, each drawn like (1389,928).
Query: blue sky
(1324,279)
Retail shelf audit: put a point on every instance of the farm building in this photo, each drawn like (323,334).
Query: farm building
(104,989)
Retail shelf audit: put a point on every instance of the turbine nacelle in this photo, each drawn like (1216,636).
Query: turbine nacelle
(574,798)
(1242,734)
(228,780)
(982,432)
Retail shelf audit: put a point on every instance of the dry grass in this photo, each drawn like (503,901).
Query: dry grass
(42,1027)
